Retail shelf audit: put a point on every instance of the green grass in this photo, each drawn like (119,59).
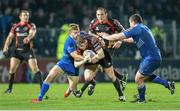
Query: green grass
(104,98)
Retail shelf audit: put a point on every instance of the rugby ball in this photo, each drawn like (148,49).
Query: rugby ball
(89,53)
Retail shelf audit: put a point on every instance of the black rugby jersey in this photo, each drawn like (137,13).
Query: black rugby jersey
(21,31)
(109,26)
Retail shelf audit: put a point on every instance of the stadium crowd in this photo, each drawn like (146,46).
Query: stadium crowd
(51,14)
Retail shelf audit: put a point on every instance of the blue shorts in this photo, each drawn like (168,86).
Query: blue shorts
(69,69)
(148,66)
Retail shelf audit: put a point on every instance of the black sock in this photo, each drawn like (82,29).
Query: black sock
(152,77)
(11,80)
(85,85)
(93,82)
(118,75)
(118,88)
(40,77)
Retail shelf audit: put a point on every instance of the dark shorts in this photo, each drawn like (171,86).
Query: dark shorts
(23,54)
(106,62)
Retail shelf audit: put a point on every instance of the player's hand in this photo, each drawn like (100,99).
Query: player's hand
(117,44)
(26,40)
(5,53)
(94,60)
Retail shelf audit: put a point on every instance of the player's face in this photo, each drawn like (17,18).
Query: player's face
(83,45)
(101,15)
(75,33)
(131,23)
(24,16)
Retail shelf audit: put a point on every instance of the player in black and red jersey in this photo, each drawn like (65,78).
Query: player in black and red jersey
(103,24)
(101,57)
(23,32)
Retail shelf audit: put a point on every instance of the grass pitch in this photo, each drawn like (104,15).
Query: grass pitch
(104,98)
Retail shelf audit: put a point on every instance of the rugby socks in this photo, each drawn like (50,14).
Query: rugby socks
(118,75)
(40,77)
(157,79)
(86,84)
(141,92)
(44,89)
(118,88)
(11,81)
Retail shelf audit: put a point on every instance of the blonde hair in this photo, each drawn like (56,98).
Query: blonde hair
(73,26)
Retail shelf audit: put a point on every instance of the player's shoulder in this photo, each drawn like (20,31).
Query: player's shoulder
(115,21)
(15,24)
(94,21)
(32,24)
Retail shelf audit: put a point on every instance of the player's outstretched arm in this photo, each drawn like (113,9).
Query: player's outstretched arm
(118,36)
(76,56)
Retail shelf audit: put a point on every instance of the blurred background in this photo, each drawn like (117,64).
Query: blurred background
(52,16)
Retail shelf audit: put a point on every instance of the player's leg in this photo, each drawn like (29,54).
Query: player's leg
(123,78)
(141,87)
(152,66)
(89,74)
(34,67)
(73,81)
(14,64)
(167,84)
(110,72)
(54,72)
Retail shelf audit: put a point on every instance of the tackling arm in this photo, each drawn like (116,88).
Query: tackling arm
(118,36)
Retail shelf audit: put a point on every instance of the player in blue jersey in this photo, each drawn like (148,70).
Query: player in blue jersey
(150,53)
(65,65)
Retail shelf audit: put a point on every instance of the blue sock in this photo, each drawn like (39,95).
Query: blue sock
(141,92)
(158,80)
(44,89)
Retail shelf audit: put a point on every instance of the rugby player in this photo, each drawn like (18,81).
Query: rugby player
(150,53)
(65,65)
(23,32)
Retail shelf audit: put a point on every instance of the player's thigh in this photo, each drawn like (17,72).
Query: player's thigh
(110,72)
(53,73)
(14,64)
(33,65)
(148,66)
(89,72)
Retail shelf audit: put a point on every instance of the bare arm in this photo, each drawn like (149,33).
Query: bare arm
(98,56)
(31,35)
(128,40)
(79,63)
(8,42)
(118,36)
(76,56)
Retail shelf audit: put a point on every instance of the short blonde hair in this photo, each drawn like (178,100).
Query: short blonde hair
(73,26)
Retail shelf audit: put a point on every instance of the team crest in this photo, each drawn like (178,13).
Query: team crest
(25,28)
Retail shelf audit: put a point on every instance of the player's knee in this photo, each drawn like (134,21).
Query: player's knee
(88,78)
(34,69)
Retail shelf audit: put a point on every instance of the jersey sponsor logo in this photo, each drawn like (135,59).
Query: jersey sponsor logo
(22,34)
(17,29)
(97,28)
(25,28)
